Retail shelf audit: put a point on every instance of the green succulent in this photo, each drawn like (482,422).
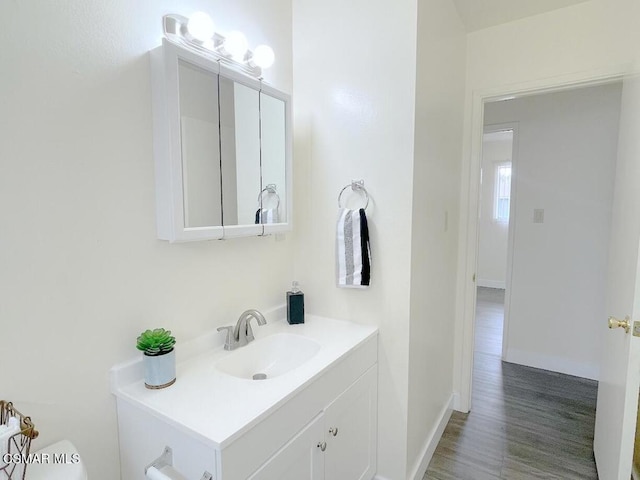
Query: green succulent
(156,342)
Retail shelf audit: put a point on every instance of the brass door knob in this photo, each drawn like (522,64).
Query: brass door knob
(615,323)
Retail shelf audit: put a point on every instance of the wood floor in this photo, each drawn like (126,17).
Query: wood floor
(524,424)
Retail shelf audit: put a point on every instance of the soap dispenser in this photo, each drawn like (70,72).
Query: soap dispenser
(295,305)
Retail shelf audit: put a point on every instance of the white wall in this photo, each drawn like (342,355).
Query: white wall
(567,145)
(81,270)
(492,241)
(434,228)
(569,44)
(354,100)
(586,37)
(354,119)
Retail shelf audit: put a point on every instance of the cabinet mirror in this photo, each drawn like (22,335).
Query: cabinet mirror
(199,140)
(222,148)
(274,153)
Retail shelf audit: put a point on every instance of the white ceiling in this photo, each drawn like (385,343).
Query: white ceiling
(478,14)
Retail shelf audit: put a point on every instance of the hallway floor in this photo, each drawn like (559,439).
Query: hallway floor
(524,423)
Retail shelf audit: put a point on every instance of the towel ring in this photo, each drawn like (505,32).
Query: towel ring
(271,188)
(355,185)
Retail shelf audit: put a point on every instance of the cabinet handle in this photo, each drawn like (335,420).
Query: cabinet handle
(333,431)
(322,446)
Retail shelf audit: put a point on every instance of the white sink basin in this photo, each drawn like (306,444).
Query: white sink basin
(269,357)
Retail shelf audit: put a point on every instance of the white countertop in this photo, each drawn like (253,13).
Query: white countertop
(216,407)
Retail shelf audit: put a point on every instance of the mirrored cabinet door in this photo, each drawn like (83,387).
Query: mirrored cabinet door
(240,153)
(274,153)
(275,135)
(200,140)
(186,150)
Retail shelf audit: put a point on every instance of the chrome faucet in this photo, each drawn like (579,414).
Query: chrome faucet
(242,333)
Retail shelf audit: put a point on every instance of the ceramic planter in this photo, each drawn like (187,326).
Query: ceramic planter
(159,370)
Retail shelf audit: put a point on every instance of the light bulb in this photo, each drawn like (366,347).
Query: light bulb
(236,45)
(209,45)
(263,56)
(200,26)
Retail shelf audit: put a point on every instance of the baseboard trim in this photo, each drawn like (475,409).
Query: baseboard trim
(553,364)
(482,282)
(430,445)
(456,402)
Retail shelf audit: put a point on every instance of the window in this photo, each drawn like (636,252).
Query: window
(502,192)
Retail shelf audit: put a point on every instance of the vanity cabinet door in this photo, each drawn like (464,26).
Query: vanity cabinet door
(300,459)
(351,431)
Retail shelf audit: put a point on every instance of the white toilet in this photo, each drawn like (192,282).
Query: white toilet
(57,471)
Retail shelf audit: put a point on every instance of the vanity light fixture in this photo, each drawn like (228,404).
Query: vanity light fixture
(235,45)
(198,34)
(263,57)
(201,27)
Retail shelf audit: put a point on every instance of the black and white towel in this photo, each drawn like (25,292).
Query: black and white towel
(267,215)
(353,257)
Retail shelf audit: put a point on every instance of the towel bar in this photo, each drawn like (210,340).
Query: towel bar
(272,189)
(356,185)
(166,459)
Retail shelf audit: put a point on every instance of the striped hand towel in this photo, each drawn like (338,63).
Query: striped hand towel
(353,260)
(267,215)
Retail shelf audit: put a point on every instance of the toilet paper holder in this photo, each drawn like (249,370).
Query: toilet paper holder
(166,459)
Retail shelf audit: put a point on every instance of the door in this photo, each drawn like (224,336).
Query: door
(620,366)
(300,459)
(350,430)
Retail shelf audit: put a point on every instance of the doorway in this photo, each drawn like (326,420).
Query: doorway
(548,192)
(493,238)
(563,182)
(532,216)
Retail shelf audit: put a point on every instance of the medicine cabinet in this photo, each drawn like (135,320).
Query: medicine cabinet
(222,148)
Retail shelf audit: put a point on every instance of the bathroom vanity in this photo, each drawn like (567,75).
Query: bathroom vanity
(313,417)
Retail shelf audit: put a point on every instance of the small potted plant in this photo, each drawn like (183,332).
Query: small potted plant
(159,357)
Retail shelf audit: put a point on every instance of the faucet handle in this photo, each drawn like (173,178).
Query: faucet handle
(228,344)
